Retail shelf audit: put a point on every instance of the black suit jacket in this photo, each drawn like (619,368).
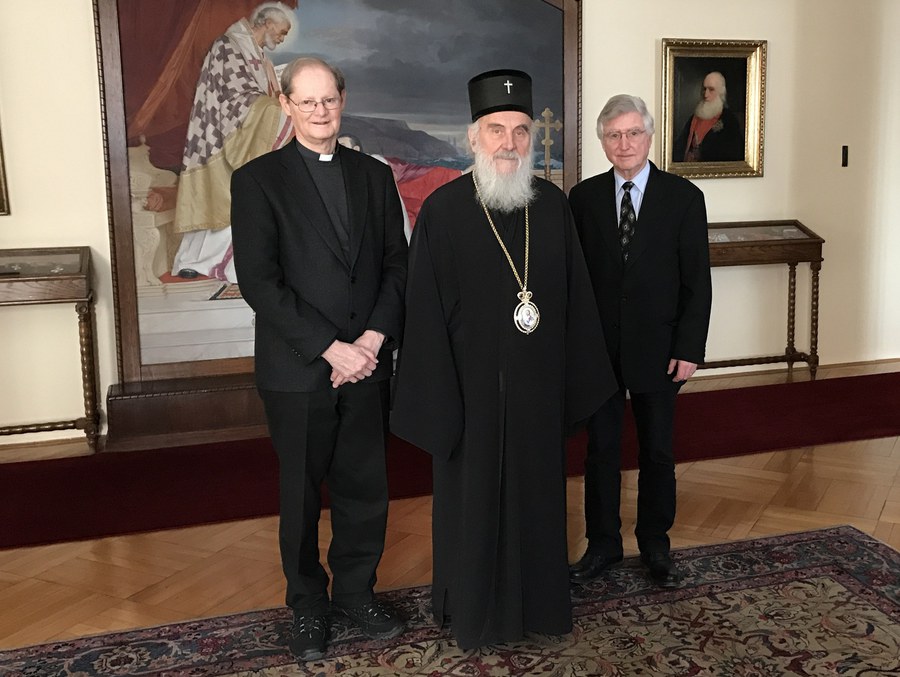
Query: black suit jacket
(295,276)
(656,307)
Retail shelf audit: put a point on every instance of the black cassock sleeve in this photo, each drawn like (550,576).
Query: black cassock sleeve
(428,408)
(590,380)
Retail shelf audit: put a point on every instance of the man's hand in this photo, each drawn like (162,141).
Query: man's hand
(371,340)
(349,362)
(682,369)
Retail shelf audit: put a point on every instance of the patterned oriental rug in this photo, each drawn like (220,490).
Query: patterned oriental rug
(823,602)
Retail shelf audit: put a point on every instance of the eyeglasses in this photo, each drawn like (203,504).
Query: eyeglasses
(630,134)
(310,105)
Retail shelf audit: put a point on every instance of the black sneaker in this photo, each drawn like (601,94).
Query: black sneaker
(374,620)
(308,637)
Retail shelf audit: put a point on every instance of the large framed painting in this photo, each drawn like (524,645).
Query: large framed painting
(178,94)
(714,101)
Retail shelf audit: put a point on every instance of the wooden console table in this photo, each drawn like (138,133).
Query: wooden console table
(746,243)
(57,275)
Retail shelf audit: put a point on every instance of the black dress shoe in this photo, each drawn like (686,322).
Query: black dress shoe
(188,273)
(375,620)
(592,565)
(662,570)
(586,559)
(309,634)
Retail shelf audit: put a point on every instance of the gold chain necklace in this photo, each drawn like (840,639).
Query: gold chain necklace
(526,315)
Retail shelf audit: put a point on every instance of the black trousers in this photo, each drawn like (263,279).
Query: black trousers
(654,415)
(335,436)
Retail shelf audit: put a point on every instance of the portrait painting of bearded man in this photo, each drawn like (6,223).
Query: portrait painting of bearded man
(713,107)
(709,110)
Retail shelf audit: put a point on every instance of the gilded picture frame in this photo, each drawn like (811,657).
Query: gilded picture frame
(713,107)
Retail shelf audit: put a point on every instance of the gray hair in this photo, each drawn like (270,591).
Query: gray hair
(622,104)
(274,11)
(298,64)
(472,134)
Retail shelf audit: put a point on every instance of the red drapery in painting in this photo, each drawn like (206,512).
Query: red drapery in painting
(163,46)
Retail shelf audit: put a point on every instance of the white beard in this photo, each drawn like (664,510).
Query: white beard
(504,192)
(707,110)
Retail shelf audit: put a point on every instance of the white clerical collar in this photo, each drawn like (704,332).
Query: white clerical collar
(311,154)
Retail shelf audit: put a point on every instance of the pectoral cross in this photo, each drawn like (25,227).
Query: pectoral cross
(548,125)
(508,86)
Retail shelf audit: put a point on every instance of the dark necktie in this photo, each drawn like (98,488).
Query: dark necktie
(627,217)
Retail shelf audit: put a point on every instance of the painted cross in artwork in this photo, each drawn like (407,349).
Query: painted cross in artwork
(201,86)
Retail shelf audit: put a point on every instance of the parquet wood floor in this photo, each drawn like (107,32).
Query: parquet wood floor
(75,589)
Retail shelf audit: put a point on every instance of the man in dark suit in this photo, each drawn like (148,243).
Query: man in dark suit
(321,255)
(644,237)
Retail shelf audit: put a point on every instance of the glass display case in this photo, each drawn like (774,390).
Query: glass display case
(745,243)
(56,275)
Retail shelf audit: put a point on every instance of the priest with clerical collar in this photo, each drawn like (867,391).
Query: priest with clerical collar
(321,254)
(502,355)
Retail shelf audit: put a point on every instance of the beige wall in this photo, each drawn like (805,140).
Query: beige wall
(851,93)
(50,122)
(826,57)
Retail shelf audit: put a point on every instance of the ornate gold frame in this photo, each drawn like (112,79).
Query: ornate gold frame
(681,60)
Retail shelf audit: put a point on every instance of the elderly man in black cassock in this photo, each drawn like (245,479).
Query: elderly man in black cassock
(502,353)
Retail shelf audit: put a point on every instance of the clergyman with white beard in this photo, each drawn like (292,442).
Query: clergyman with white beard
(502,354)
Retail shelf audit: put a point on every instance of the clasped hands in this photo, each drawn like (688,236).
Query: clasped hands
(352,362)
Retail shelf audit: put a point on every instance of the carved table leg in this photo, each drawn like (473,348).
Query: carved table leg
(790,351)
(85,312)
(814,267)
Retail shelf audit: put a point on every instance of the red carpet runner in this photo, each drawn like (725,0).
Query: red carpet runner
(105,494)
